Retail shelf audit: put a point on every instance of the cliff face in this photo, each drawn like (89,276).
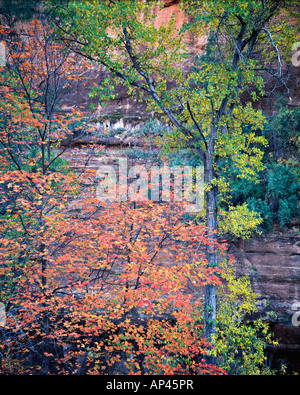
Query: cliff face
(273,264)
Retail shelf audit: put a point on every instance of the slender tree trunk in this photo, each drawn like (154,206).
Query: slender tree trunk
(45,320)
(212,255)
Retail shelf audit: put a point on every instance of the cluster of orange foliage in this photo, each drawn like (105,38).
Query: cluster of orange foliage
(116,289)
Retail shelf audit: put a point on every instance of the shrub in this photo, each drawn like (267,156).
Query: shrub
(261,206)
(282,192)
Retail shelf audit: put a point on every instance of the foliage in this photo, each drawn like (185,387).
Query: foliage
(261,207)
(106,292)
(13,12)
(205,106)
(117,294)
(240,345)
(117,289)
(283,192)
(282,132)
(16,10)
(275,195)
(239,221)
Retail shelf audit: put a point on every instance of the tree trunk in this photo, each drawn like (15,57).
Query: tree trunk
(45,318)
(212,255)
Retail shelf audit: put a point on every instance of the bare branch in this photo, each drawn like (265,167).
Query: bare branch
(277,51)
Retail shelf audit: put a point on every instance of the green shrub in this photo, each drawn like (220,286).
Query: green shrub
(288,209)
(282,131)
(282,192)
(261,206)
(282,182)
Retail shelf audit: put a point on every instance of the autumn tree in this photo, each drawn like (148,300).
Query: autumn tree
(35,182)
(206,106)
(121,293)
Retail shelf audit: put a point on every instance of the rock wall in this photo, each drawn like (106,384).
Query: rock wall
(273,264)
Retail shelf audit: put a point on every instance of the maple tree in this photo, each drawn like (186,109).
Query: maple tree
(86,297)
(34,179)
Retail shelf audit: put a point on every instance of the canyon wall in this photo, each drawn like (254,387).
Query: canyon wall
(273,264)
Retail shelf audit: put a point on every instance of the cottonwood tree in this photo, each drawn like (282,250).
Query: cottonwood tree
(205,107)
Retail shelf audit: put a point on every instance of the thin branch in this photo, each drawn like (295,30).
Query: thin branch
(196,124)
(276,49)
(23,225)
(157,99)
(237,44)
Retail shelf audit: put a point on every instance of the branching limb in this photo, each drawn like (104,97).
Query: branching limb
(154,95)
